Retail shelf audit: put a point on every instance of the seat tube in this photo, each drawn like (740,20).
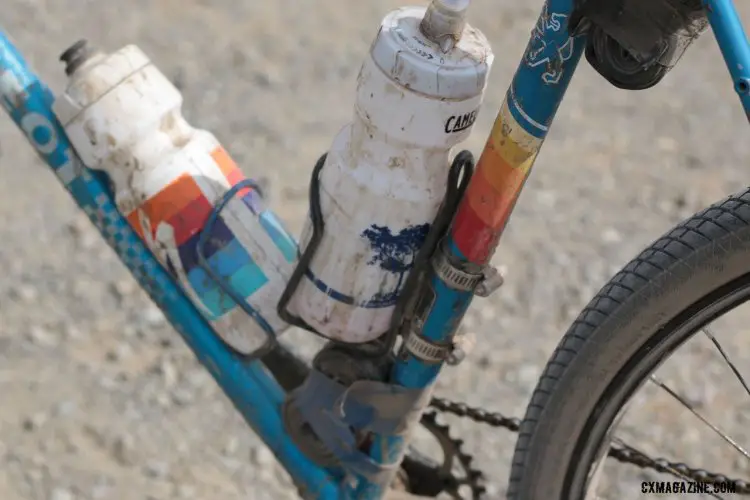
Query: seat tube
(732,39)
(538,87)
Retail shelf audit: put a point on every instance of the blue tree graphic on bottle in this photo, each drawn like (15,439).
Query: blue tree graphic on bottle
(394,253)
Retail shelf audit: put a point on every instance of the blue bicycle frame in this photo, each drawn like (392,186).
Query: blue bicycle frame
(532,101)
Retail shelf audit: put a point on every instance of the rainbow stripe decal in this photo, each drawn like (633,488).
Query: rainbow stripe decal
(500,174)
(181,210)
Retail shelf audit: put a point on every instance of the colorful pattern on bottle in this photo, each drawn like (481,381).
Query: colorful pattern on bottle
(179,212)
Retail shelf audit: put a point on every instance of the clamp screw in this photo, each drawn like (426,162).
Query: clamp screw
(491,281)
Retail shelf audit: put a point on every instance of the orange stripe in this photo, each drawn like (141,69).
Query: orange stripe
(225,162)
(493,188)
(235,177)
(496,169)
(502,177)
(482,198)
(135,223)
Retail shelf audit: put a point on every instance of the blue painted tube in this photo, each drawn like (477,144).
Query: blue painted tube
(535,94)
(734,45)
(254,393)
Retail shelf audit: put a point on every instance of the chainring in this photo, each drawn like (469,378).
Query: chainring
(429,478)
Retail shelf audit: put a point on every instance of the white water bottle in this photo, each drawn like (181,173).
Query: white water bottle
(123,116)
(386,172)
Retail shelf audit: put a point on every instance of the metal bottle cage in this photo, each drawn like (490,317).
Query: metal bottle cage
(459,174)
(227,288)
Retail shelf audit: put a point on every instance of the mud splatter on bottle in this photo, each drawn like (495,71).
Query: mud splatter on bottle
(386,172)
(123,117)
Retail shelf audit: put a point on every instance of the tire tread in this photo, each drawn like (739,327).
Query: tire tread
(656,261)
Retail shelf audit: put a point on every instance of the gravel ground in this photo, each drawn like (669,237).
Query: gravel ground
(100,398)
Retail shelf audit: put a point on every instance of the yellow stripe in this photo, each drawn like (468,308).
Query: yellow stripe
(514,145)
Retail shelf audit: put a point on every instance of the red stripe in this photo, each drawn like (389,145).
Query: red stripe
(171,200)
(473,237)
(484,198)
(190,219)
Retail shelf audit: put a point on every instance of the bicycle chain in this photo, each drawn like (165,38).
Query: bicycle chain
(624,454)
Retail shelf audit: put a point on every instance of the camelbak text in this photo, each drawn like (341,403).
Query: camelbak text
(457,123)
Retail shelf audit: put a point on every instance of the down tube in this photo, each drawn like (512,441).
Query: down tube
(521,126)
(28,101)
(735,48)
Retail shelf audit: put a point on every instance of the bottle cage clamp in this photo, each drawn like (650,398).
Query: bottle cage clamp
(482,284)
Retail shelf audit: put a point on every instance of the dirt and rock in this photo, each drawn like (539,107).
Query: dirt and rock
(100,398)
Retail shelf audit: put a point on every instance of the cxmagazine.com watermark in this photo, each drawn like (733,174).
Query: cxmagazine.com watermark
(687,487)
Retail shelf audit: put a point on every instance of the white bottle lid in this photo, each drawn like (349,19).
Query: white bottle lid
(95,78)
(409,58)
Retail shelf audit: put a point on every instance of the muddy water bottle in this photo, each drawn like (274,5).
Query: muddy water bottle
(123,116)
(418,94)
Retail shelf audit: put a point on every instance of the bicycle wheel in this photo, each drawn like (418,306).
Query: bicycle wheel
(687,278)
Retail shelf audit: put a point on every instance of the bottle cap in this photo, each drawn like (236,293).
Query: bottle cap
(408,57)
